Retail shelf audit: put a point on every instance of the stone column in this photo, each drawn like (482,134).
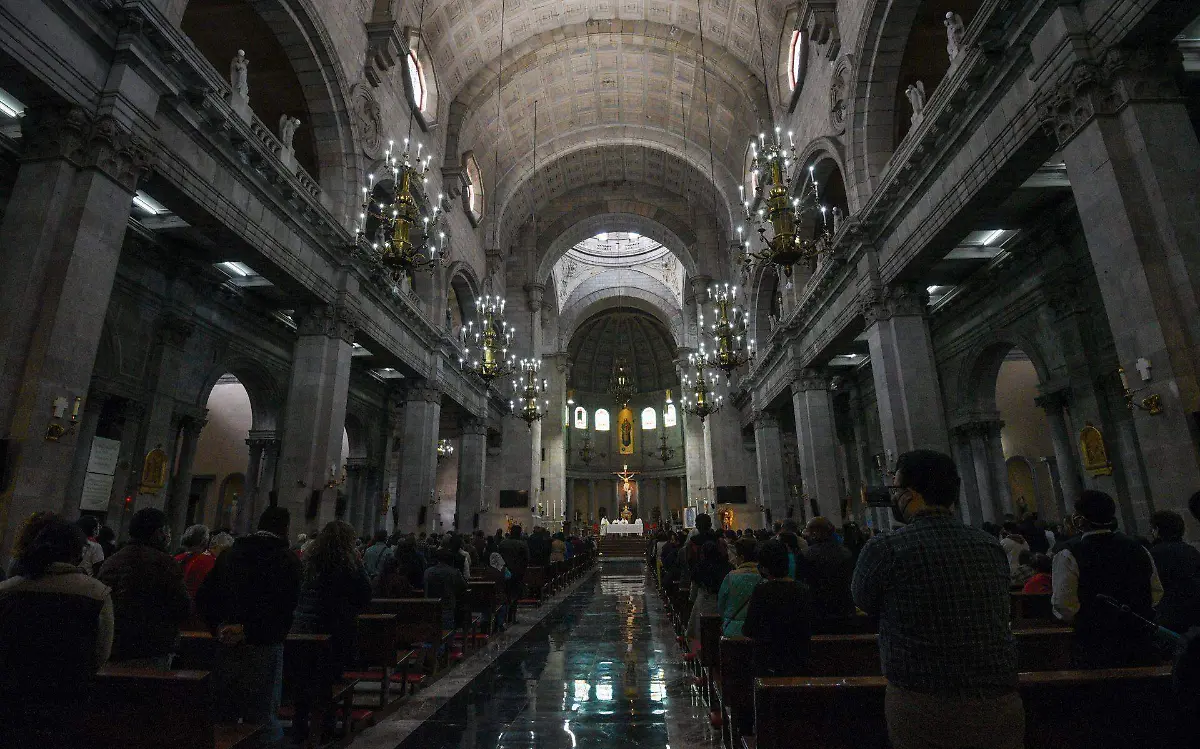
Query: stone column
(980,450)
(1132,156)
(355,491)
(391,457)
(60,241)
(1056,487)
(663,512)
(970,500)
(315,416)
(181,483)
(911,415)
(1000,486)
(418,453)
(591,509)
(125,479)
(472,463)
(260,476)
(772,480)
(554,437)
(1067,483)
(817,440)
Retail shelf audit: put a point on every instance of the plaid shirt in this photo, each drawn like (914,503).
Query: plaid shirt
(941,592)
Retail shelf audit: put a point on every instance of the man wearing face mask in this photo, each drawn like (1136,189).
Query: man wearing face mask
(1094,574)
(940,590)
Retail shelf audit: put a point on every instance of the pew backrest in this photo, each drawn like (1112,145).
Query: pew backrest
(139,708)
(1063,710)
(418,620)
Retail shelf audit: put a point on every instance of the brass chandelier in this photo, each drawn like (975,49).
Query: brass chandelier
(491,341)
(782,213)
(445,448)
(527,391)
(704,400)
(731,345)
(621,384)
(404,238)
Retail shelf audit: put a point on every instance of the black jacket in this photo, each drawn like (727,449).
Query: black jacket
(828,568)
(330,604)
(256,583)
(150,601)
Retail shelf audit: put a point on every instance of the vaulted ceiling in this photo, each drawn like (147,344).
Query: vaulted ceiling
(638,336)
(607,75)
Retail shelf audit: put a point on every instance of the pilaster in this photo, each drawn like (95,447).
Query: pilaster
(418,453)
(817,439)
(772,480)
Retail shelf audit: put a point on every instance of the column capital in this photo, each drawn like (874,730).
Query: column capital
(809,379)
(422,390)
(763,420)
(87,141)
(534,292)
(883,303)
(1105,85)
(191,425)
(329,320)
(699,286)
(473,425)
(1053,401)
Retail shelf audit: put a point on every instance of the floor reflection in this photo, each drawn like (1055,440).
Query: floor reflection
(588,676)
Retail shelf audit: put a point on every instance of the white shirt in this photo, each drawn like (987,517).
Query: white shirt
(1064,597)
(93,554)
(1013,549)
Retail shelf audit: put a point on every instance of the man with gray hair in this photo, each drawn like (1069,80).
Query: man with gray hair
(196,560)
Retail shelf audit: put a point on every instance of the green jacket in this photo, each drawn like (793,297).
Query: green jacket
(734,597)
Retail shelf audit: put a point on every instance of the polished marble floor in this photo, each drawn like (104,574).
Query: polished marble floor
(600,670)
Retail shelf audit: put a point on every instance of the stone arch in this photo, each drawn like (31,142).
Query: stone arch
(656,302)
(976,396)
(721,196)
(264,390)
(463,285)
(308,46)
(871,119)
(358,434)
(763,286)
(829,156)
(614,222)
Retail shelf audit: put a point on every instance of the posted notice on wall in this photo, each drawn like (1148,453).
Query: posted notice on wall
(101,468)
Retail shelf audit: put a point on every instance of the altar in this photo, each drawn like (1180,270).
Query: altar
(621,529)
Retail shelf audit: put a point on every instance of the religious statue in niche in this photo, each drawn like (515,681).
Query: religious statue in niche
(727,519)
(625,431)
(154,471)
(1095,454)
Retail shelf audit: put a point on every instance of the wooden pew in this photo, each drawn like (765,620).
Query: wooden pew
(137,708)
(418,627)
(710,654)
(535,586)
(306,672)
(1063,710)
(1033,610)
(736,665)
(379,658)
(483,598)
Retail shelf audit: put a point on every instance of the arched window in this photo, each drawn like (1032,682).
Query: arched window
(649,418)
(670,418)
(580,417)
(473,198)
(601,420)
(420,81)
(416,79)
(795,60)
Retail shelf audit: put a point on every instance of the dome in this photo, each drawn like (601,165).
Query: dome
(641,338)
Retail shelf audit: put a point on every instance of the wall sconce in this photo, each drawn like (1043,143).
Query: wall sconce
(1152,403)
(56,431)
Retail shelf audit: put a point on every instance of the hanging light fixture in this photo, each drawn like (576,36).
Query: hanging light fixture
(487,348)
(445,449)
(527,390)
(621,384)
(782,213)
(586,451)
(663,452)
(731,346)
(405,237)
(704,400)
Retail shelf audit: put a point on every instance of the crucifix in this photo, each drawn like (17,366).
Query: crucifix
(625,474)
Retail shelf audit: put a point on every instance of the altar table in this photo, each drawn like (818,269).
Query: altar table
(616,529)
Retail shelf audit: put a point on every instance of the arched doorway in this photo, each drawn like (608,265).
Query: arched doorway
(1025,438)
(222,454)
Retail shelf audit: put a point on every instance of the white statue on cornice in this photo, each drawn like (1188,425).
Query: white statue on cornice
(837,218)
(955,31)
(287,130)
(239,71)
(916,99)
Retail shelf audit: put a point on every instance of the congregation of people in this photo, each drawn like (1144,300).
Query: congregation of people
(939,594)
(74,602)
